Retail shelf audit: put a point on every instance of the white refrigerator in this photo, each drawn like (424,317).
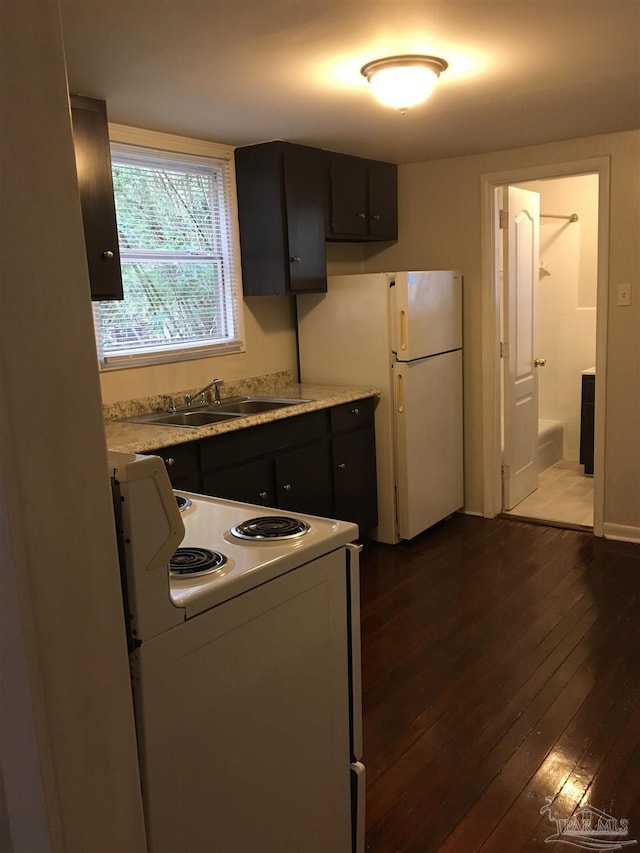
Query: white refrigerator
(402,333)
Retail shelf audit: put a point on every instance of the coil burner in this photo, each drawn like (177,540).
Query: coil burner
(195,561)
(270,528)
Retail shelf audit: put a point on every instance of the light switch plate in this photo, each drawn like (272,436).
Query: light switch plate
(624,294)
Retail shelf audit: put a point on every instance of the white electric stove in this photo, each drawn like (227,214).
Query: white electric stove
(245,657)
(254,544)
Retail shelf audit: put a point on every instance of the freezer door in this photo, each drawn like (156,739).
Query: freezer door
(426,312)
(428,411)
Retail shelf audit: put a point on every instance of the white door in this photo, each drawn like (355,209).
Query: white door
(521,236)
(428,412)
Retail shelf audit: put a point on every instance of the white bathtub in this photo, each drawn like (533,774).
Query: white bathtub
(550,443)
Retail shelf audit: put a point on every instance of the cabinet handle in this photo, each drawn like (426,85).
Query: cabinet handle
(342,465)
(107,255)
(362,216)
(377,217)
(355,412)
(263,495)
(169,460)
(287,487)
(295,259)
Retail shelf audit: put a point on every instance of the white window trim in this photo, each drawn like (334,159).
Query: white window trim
(155,140)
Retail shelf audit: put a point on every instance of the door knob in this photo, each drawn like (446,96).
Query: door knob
(539,362)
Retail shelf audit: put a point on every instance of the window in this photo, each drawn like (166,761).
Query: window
(181,296)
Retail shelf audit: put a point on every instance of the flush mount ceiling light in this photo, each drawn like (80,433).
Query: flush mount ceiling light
(403,81)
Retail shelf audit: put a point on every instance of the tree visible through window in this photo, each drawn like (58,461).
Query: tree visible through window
(177,265)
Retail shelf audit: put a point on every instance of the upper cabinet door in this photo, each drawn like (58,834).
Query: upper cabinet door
(304,192)
(383,200)
(348,186)
(280,190)
(363,199)
(93,165)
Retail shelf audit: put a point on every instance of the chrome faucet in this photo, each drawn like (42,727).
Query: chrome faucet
(215,384)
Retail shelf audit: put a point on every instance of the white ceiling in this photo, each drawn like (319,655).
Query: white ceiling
(520,72)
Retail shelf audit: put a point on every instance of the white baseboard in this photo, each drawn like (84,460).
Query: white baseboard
(622,532)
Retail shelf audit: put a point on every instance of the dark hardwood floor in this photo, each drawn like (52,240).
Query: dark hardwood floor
(501,667)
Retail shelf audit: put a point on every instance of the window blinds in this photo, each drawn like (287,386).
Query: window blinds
(181,288)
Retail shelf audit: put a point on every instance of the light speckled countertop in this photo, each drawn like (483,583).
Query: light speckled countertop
(140,438)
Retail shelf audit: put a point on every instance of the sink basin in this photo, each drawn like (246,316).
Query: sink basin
(232,407)
(186,419)
(254,405)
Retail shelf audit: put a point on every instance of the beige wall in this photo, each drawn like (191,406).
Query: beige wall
(67,738)
(440,226)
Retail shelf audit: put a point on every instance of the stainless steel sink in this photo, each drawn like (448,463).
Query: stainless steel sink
(198,418)
(254,405)
(232,407)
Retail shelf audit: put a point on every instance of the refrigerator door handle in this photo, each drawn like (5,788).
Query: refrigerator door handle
(400,395)
(358,791)
(403,330)
(355,672)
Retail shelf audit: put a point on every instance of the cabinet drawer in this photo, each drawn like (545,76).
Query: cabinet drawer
(182,460)
(262,440)
(352,415)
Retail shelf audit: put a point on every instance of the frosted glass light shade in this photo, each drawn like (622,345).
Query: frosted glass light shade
(402,82)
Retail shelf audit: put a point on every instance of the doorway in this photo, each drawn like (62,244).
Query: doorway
(564,350)
(569,341)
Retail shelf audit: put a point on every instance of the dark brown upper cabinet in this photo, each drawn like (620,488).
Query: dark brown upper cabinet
(93,165)
(281,213)
(363,199)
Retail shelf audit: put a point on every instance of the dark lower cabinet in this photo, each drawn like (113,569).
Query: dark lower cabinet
(353,444)
(183,466)
(250,482)
(303,479)
(354,477)
(322,463)
(587,421)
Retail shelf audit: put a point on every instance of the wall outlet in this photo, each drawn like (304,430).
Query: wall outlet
(624,294)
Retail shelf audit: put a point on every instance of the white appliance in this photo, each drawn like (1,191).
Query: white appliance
(401,332)
(245,667)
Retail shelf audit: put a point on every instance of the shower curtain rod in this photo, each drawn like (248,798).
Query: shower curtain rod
(572,217)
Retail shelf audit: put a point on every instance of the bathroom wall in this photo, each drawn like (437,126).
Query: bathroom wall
(566,303)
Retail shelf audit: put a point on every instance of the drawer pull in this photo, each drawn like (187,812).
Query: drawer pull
(287,487)
(169,460)
(263,496)
(355,412)
(342,466)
